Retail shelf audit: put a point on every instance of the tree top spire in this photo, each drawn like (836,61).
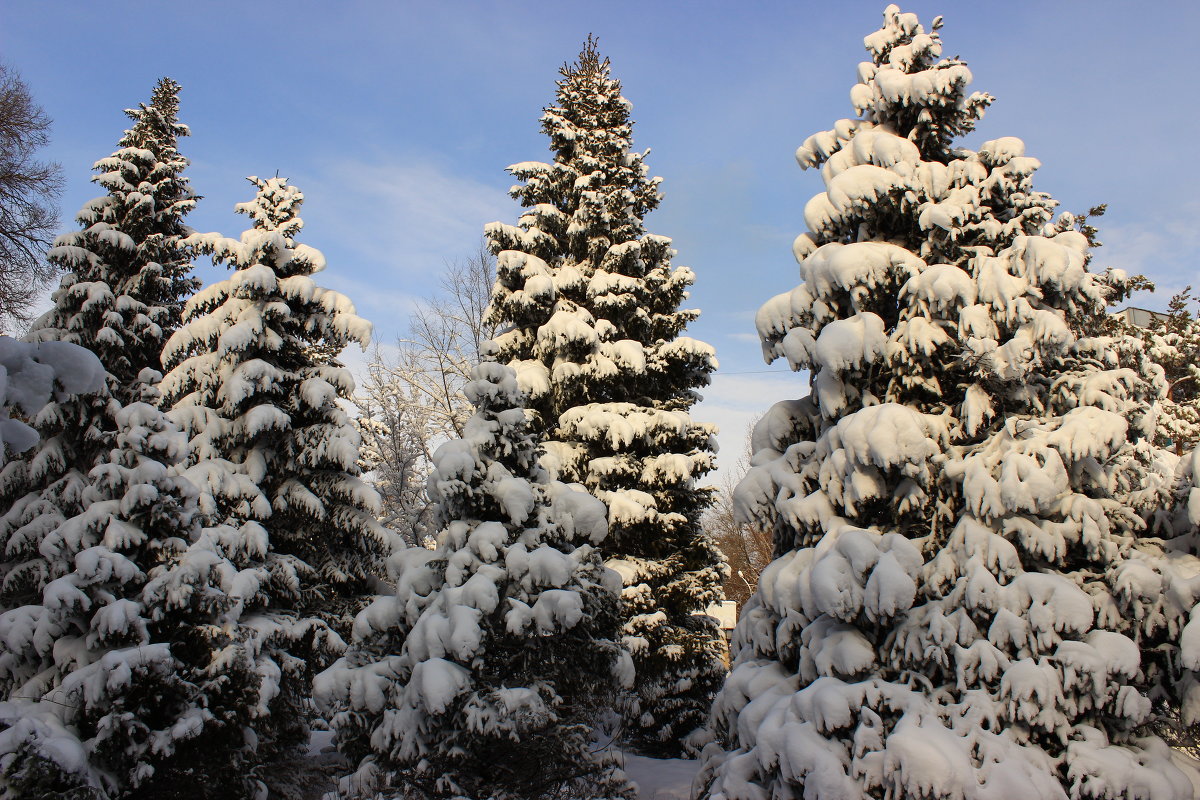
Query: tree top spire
(589,61)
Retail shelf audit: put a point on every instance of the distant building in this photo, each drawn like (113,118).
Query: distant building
(1141,317)
(725,613)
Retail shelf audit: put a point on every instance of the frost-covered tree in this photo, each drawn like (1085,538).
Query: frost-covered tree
(590,304)
(397,431)
(253,387)
(485,674)
(446,334)
(965,603)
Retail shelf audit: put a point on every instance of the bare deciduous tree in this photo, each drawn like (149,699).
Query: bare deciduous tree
(412,401)
(747,547)
(28,189)
(397,431)
(445,336)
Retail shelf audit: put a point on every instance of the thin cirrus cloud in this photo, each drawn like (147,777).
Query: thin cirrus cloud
(1163,251)
(401,218)
(749,338)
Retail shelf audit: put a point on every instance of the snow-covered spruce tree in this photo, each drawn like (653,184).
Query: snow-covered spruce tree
(109,593)
(958,606)
(252,384)
(127,273)
(125,276)
(590,304)
(275,458)
(121,681)
(1170,590)
(485,674)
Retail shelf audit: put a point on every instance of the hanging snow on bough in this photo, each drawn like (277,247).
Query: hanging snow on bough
(32,374)
(967,603)
(486,672)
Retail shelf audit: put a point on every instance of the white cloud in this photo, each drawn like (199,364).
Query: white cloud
(388,227)
(1163,251)
(734,402)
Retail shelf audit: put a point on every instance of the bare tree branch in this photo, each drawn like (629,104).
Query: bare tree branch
(748,548)
(28,189)
(413,401)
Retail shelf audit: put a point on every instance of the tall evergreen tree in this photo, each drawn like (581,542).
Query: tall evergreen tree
(115,672)
(255,389)
(112,301)
(960,606)
(485,674)
(591,306)
(126,273)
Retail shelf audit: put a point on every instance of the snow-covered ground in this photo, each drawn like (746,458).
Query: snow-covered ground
(661,779)
(656,778)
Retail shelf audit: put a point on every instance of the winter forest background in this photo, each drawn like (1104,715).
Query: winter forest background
(864,664)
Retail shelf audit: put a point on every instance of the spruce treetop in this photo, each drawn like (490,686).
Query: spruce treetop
(246,327)
(578,278)
(127,273)
(590,132)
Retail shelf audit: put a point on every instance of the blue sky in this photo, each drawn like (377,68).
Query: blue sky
(397,119)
